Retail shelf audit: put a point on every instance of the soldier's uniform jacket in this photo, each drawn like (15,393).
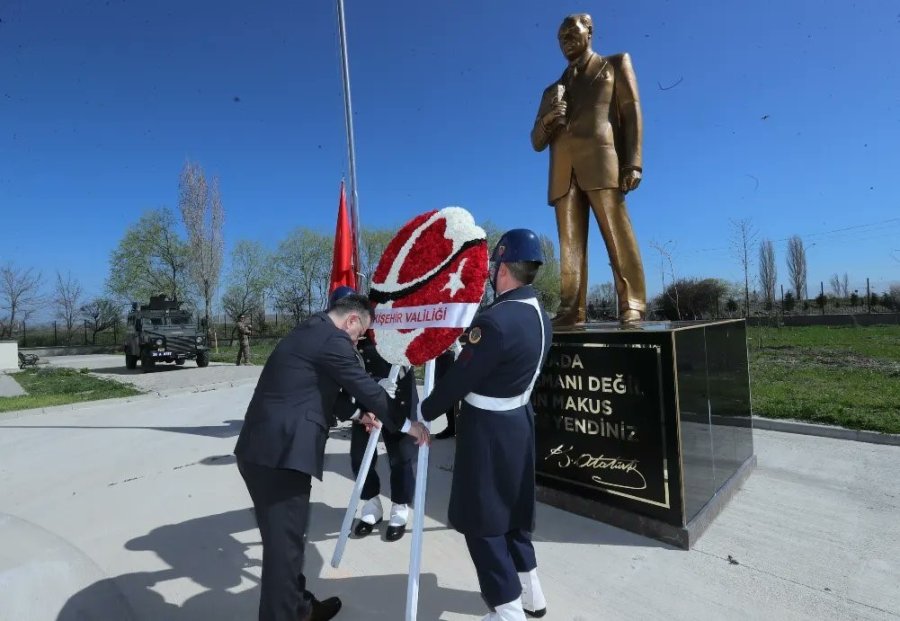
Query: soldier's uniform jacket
(243,330)
(493,474)
(379,368)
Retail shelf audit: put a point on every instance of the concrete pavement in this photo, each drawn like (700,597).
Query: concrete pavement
(139,513)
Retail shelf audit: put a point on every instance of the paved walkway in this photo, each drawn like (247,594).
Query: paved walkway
(10,387)
(138,513)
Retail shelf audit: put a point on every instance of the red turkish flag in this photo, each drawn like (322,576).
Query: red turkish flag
(342,272)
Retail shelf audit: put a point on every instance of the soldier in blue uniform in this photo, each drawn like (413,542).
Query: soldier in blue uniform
(492,497)
(401,448)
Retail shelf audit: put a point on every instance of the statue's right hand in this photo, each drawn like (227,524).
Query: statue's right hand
(556,116)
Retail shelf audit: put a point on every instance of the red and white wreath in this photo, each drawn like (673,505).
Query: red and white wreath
(428,285)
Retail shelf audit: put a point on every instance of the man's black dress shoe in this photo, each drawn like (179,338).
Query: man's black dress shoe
(394,533)
(364,528)
(324,610)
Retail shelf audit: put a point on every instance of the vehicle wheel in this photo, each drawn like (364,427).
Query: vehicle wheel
(180,362)
(147,362)
(203,359)
(131,361)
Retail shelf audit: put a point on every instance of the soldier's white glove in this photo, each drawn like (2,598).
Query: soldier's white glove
(390,386)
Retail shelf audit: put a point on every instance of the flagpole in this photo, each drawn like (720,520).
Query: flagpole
(348,122)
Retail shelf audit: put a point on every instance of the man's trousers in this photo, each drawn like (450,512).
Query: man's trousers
(401,450)
(281,502)
(498,562)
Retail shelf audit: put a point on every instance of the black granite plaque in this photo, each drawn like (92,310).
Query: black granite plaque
(600,421)
(646,427)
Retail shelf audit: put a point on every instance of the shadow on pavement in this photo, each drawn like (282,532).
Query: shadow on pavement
(228,428)
(553,525)
(206,552)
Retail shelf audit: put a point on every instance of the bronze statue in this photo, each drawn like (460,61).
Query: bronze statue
(591,118)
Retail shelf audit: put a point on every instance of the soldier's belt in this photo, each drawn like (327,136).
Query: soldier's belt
(498,404)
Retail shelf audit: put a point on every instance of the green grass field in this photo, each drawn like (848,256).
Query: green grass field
(259,351)
(58,386)
(847,376)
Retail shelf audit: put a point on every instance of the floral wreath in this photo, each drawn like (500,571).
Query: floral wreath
(436,266)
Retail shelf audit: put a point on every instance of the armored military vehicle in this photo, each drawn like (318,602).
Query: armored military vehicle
(162,332)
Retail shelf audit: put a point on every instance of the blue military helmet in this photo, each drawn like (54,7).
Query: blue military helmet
(340,292)
(518,245)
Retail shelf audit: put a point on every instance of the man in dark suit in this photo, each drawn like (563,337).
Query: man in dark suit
(591,118)
(492,496)
(282,443)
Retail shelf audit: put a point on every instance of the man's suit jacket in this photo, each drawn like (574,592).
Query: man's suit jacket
(298,393)
(604,127)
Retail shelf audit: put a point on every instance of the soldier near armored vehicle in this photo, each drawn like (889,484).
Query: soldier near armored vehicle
(244,329)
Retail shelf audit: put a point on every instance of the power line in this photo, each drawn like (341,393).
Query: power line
(811,235)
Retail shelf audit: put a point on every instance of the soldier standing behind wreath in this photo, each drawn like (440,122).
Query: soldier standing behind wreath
(492,496)
(244,329)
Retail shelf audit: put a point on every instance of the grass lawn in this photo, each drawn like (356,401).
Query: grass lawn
(259,351)
(58,386)
(847,376)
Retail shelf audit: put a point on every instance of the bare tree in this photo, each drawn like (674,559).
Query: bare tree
(67,300)
(665,260)
(845,286)
(835,284)
(768,272)
(796,264)
(20,296)
(743,237)
(101,314)
(203,217)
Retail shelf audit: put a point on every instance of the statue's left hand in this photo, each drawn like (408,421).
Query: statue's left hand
(630,180)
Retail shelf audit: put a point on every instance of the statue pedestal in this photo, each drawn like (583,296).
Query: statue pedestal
(647,428)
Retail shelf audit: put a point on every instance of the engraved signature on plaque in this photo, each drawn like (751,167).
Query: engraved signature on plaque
(626,467)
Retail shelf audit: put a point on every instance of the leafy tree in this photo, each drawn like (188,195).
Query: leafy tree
(150,259)
(372,244)
(821,300)
(248,280)
(301,273)
(547,282)
(789,301)
(601,301)
(697,298)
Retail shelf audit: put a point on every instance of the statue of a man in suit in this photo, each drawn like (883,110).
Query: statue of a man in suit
(591,118)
